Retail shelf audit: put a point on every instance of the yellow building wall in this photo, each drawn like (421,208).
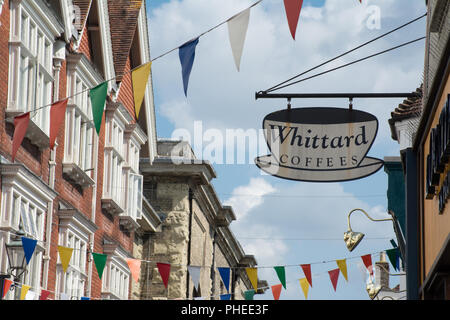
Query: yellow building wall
(436,226)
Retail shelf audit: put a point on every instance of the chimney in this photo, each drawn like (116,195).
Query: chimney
(382,271)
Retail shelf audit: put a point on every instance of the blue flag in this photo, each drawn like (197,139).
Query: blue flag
(28,247)
(187,55)
(85,298)
(225,296)
(225,275)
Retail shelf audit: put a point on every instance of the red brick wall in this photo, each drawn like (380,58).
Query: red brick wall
(38,162)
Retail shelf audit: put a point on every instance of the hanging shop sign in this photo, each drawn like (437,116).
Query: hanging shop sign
(319,144)
(438,159)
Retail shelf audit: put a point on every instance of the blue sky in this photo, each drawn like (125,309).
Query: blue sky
(275,216)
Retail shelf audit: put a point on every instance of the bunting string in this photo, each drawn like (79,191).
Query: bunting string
(304,284)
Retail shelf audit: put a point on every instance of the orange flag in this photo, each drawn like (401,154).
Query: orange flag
(57,115)
(135,268)
(276,290)
(20,129)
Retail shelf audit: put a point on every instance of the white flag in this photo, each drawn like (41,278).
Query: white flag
(31,295)
(64,296)
(237,29)
(194,271)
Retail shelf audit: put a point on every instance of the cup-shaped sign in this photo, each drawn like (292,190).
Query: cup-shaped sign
(320,144)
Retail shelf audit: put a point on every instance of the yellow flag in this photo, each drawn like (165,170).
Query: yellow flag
(342,264)
(24,291)
(305,286)
(65,254)
(253,276)
(139,77)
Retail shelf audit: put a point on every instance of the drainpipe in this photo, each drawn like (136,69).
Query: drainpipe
(191,197)
(94,208)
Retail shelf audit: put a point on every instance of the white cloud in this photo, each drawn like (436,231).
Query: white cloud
(246,198)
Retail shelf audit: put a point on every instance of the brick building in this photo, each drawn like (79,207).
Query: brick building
(80,195)
(87,193)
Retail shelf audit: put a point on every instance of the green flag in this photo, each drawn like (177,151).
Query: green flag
(393,257)
(248,295)
(281,273)
(100,261)
(98,99)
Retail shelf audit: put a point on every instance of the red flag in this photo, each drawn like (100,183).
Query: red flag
(164,271)
(20,129)
(44,295)
(334,276)
(57,114)
(276,290)
(6,285)
(307,271)
(367,259)
(293,8)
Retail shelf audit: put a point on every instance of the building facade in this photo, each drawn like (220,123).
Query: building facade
(193,231)
(425,164)
(81,194)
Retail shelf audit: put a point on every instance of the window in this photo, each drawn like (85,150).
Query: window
(31,74)
(25,199)
(116,279)
(79,125)
(73,281)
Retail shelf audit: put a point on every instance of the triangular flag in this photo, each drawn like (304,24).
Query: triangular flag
(307,271)
(237,29)
(281,273)
(164,271)
(98,99)
(225,296)
(20,129)
(276,291)
(342,264)
(6,286)
(28,247)
(393,255)
(31,295)
(334,276)
(65,254)
(248,295)
(64,296)
(140,77)
(253,276)
(194,271)
(293,8)
(305,286)
(57,115)
(367,259)
(187,54)
(44,295)
(135,268)
(225,275)
(100,262)
(24,291)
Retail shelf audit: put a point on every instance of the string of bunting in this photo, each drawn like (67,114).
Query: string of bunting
(237,29)
(65,255)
